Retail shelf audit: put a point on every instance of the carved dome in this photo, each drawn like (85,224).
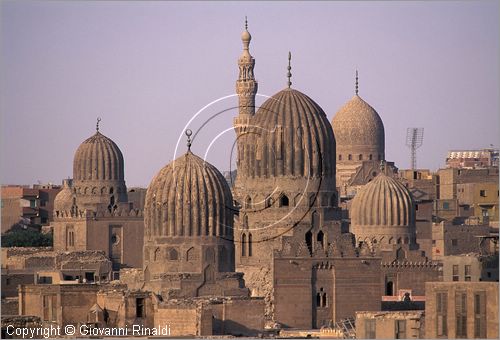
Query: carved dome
(359,132)
(98,158)
(189,197)
(63,201)
(98,173)
(383,207)
(292,137)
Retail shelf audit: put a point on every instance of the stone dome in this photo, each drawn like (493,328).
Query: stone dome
(63,202)
(384,208)
(293,137)
(98,158)
(359,132)
(98,173)
(189,197)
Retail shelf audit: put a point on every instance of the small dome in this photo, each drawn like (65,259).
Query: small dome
(293,137)
(64,199)
(98,158)
(189,197)
(359,130)
(383,207)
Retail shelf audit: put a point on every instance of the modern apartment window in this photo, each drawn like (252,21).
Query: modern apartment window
(480,315)
(461,314)
(467,272)
(400,329)
(370,329)
(455,275)
(441,314)
(446,205)
(482,193)
(32,203)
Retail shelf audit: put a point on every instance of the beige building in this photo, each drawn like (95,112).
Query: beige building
(470,267)
(461,310)
(481,199)
(390,325)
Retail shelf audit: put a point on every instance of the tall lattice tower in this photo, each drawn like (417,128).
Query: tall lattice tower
(414,140)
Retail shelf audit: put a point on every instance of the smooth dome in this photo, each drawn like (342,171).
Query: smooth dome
(359,130)
(64,199)
(98,158)
(293,137)
(188,197)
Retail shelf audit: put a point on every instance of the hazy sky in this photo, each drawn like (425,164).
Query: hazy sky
(146,68)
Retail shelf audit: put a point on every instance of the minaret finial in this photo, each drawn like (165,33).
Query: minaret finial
(246,23)
(382,166)
(97,124)
(289,74)
(188,134)
(357,85)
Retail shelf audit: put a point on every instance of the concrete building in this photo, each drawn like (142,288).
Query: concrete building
(470,267)
(27,205)
(390,325)
(461,310)
(472,159)
(449,239)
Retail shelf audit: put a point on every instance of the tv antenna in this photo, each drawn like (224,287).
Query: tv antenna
(414,140)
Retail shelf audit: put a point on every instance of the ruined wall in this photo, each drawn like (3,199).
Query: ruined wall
(184,320)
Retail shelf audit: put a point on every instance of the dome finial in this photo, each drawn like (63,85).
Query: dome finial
(246,23)
(382,166)
(357,82)
(97,124)
(289,74)
(188,134)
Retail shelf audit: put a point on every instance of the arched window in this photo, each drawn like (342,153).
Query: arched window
(269,202)
(389,288)
(248,202)
(340,157)
(249,244)
(284,202)
(349,157)
(243,245)
(320,238)
(309,242)
(172,254)
(245,221)
(315,219)
(323,300)
(370,157)
(360,157)
(318,300)
(111,190)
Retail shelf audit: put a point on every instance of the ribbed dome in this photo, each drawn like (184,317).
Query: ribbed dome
(64,199)
(293,137)
(359,130)
(98,158)
(384,210)
(188,197)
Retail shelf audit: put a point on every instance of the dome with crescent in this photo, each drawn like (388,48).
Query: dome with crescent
(383,210)
(98,172)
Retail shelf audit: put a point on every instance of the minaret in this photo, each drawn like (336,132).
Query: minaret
(246,85)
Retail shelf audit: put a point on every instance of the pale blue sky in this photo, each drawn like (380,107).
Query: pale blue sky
(147,67)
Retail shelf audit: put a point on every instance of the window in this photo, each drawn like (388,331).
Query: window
(456,277)
(446,205)
(320,238)
(360,157)
(340,157)
(32,203)
(321,300)
(454,242)
(309,241)
(243,245)
(139,308)
(370,330)
(467,272)
(400,329)
(482,193)
(349,157)
(480,315)
(461,314)
(284,202)
(249,244)
(442,314)
(370,157)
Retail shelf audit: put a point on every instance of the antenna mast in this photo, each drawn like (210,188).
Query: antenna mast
(414,140)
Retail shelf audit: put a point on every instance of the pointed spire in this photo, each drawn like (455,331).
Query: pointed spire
(289,74)
(188,134)
(97,124)
(357,85)
(246,23)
